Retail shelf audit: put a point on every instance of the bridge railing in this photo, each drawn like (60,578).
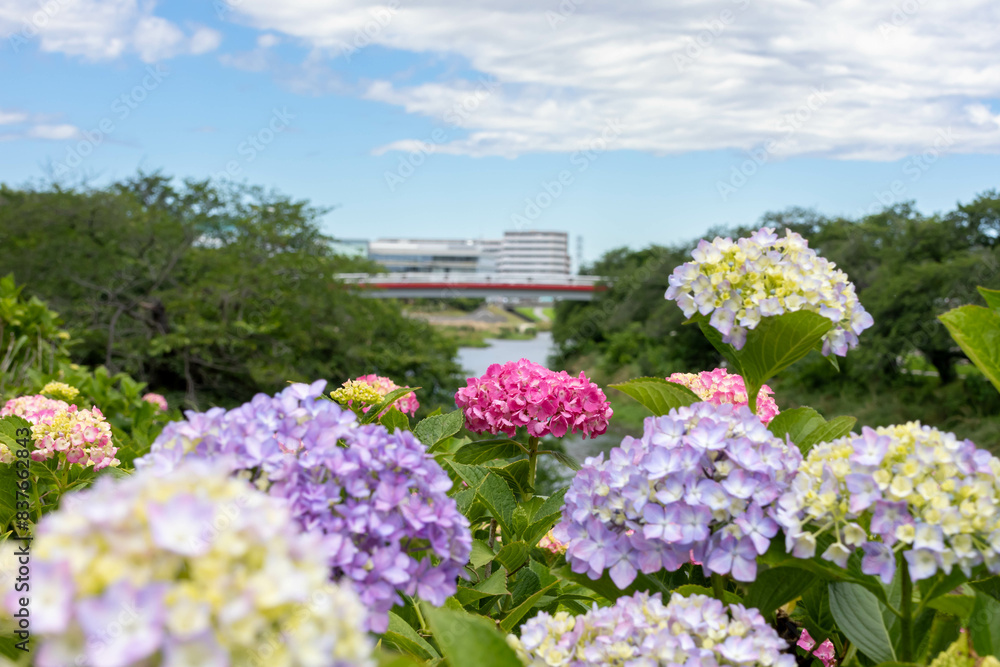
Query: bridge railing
(512,279)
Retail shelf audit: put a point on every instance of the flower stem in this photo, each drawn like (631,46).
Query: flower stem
(906,613)
(532,463)
(718,587)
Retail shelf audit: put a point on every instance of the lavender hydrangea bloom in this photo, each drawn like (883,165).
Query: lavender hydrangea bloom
(920,491)
(378,497)
(699,486)
(641,630)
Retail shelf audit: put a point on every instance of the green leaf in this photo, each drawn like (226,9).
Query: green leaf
(940,584)
(466,639)
(386,659)
(546,517)
(387,400)
(977,332)
(406,639)
(956,605)
(859,616)
(775,344)
(513,555)
(777,586)
(489,450)
(496,584)
(518,612)
(499,500)
(394,419)
(481,554)
(436,428)
(837,427)
(658,394)
(991,296)
(984,625)
(471,475)
(515,474)
(796,423)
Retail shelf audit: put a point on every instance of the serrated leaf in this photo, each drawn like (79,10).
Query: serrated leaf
(489,450)
(527,583)
(795,423)
(436,428)
(394,419)
(777,586)
(406,639)
(471,475)
(513,555)
(481,554)
(498,499)
(977,332)
(984,625)
(991,296)
(859,616)
(837,427)
(515,474)
(546,517)
(775,344)
(466,639)
(496,584)
(940,584)
(518,612)
(657,394)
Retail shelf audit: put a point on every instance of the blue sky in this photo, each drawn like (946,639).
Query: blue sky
(460,117)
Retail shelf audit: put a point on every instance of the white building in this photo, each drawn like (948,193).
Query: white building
(530,252)
(430,255)
(535,252)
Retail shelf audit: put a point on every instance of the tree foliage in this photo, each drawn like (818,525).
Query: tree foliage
(208,291)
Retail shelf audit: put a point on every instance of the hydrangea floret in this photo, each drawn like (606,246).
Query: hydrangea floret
(64,431)
(525,394)
(906,488)
(738,283)
(156,399)
(378,496)
(371,389)
(720,387)
(194,567)
(825,652)
(641,630)
(60,391)
(700,485)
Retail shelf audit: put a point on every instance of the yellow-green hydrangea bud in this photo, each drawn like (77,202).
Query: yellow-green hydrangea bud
(60,391)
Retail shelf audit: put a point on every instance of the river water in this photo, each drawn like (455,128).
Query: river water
(475,361)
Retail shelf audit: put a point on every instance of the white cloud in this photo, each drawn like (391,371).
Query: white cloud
(100,29)
(681,76)
(54,132)
(9,117)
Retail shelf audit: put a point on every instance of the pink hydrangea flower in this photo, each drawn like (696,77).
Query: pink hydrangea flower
(550,543)
(523,393)
(825,653)
(718,387)
(157,400)
(63,430)
(407,404)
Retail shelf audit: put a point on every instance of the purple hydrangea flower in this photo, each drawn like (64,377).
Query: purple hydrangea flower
(702,480)
(378,496)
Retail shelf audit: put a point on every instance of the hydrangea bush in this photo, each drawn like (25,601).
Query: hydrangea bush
(777,538)
(700,485)
(641,630)
(380,499)
(191,567)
